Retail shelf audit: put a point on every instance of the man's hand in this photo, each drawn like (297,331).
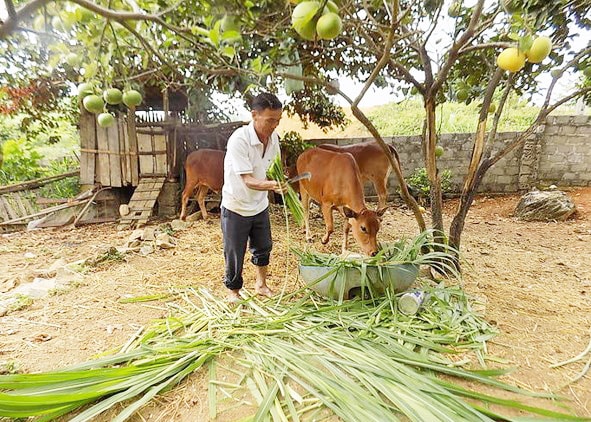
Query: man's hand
(280,188)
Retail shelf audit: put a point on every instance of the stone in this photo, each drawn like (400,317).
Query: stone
(545,206)
(38,288)
(131,244)
(178,224)
(165,241)
(146,250)
(195,216)
(136,235)
(149,233)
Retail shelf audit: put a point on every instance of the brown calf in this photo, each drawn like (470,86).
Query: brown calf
(336,183)
(373,165)
(204,170)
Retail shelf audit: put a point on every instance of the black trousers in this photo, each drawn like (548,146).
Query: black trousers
(238,231)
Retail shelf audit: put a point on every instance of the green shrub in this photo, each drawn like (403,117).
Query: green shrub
(65,188)
(419,181)
(292,145)
(20,162)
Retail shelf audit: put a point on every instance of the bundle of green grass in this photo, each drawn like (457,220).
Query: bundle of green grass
(290,198)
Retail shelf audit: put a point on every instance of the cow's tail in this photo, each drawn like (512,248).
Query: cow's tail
(394,153)
(182,177)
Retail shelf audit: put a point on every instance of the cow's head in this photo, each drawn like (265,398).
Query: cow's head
(365,225)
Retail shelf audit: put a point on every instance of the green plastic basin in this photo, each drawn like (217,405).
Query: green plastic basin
(343,283)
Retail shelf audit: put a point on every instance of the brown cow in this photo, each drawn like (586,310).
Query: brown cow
(373,165)
(336,183)
(204,170)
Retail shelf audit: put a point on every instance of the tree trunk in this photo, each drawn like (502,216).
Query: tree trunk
(429,143)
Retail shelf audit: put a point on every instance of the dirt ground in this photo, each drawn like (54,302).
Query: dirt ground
(536,279)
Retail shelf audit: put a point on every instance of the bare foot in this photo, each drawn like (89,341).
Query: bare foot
(263,291)
(234,296)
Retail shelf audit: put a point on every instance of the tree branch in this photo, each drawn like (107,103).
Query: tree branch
(10,9)
(497,118)
(381,62)
(501,44)
(456,47)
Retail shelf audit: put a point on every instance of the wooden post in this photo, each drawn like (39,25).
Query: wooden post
(133,149)
(88,146)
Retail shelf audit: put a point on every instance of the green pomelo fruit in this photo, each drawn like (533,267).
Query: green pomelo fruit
(539,49)
(331,6)
(438,151)
(462,95)
(112,96)
(302,19)
(132,98)
(93,103)
(105,119)
(511,59)
(85,88)
(329,26)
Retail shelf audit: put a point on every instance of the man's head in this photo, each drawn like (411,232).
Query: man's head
(266,114)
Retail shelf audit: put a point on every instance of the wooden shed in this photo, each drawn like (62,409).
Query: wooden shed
(141,156)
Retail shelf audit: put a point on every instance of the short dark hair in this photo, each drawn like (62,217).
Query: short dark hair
(266,100)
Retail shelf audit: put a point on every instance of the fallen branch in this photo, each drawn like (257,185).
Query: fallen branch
(32,184)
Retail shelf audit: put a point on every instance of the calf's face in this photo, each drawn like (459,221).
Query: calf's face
(365,226)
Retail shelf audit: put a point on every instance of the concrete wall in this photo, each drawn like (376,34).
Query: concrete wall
(560,153)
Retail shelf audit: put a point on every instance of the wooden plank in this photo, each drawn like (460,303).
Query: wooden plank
(161,159)
(103,176)
(144,188)
(12,214)
(87,142)
(3,212)
(18,201)
(141,204)
(144,143)
(30,202)
(145,195)
(133,148)
(123,158)
(114,159)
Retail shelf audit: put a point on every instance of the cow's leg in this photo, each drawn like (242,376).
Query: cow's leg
(346,228)
(201,194)
(380,185)
(306,206)
(327,214)
(187,192)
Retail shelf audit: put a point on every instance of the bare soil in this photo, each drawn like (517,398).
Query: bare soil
(535,277)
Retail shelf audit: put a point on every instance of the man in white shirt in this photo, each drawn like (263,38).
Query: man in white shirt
(245,204)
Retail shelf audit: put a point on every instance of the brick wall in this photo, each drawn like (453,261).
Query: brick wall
(560,153)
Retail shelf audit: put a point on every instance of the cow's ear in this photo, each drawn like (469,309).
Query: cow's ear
(381,212)
(349,213)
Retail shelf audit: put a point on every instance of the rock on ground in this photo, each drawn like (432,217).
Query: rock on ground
(545,206)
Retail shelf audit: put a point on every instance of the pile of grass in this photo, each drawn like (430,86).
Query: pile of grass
(420,250)
(302,358)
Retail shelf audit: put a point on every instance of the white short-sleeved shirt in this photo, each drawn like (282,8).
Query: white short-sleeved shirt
(244,155)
